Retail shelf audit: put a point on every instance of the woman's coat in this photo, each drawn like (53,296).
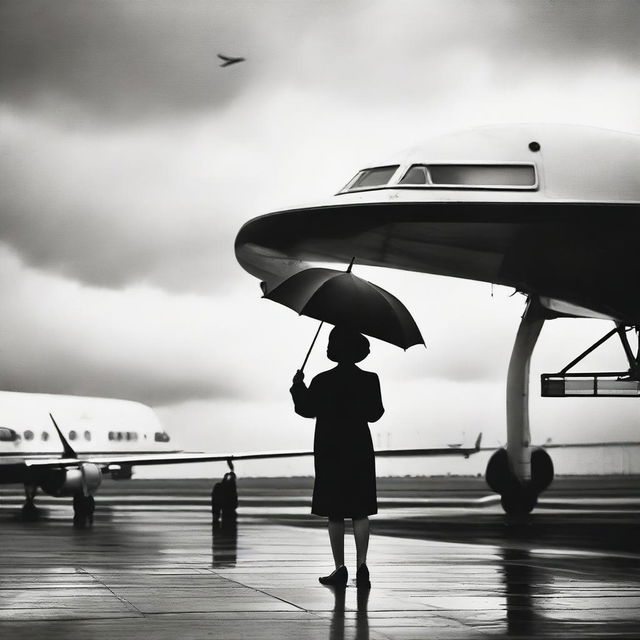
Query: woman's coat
(343,400)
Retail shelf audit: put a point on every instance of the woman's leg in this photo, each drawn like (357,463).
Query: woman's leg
(361,535)
(336,537)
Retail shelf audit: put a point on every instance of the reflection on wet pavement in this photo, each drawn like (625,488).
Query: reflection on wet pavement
(224,542)
(166,571)
(340,627)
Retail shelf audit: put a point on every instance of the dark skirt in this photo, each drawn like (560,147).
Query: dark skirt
(345,483)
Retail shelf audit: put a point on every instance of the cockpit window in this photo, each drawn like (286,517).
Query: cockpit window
(514,177)
(472,176)
(371,178)
(417,174)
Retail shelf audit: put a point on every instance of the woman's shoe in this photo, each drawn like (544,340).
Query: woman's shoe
(337,579)
(362,577)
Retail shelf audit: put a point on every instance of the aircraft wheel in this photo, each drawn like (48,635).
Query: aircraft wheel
(29,511)
(82,510)
(518,499)
(542,471)
(519,503)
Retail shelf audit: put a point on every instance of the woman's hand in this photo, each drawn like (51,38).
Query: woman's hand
(299,377)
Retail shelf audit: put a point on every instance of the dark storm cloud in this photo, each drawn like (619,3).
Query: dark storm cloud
(73,375)
(59,337)
(107,174)
(122,61)
(117,61)
(115,209)
(427,52)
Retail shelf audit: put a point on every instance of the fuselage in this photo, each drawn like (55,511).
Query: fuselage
(550,210)
(92,426)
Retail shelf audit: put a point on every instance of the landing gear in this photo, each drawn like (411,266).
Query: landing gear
(83,508)
(519,473)
(29,510)
(519,498)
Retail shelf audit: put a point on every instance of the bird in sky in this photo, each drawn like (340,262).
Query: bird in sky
(227,60)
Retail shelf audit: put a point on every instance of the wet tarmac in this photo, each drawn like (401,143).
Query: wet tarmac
(445,563)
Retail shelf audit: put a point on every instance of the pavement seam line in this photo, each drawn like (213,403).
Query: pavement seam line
(264,593)
(112,592)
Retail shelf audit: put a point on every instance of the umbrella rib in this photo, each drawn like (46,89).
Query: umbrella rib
(390,300)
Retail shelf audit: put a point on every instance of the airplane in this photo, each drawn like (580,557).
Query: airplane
(65,445)
(551,210)
(227,60)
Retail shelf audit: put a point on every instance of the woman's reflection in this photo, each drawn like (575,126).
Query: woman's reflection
(337,627)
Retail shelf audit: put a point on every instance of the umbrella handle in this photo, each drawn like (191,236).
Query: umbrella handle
(311,347)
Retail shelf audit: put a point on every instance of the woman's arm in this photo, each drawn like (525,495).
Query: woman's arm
(303,398)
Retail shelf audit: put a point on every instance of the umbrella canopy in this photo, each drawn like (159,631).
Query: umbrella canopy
(341,298)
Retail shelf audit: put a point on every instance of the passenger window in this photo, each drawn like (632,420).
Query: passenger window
(87,435)
(28,434)
(72,435)
(44,436)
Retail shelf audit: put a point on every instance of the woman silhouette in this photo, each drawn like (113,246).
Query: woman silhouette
(343,400)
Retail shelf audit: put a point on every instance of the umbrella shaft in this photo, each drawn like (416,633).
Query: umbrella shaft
(311,347)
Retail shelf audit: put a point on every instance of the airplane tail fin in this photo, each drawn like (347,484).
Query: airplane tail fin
(478,441)
(68,449)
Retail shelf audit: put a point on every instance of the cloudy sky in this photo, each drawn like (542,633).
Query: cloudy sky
(129,160)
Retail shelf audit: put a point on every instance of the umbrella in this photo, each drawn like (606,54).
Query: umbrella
(342,298)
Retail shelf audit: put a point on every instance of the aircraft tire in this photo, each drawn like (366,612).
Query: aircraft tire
(498,475)
(29,512)
(82,510)
(516,498)
(519,503)
(542,471)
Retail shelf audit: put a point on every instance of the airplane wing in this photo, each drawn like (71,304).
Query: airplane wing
(184,457)
(160,458)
